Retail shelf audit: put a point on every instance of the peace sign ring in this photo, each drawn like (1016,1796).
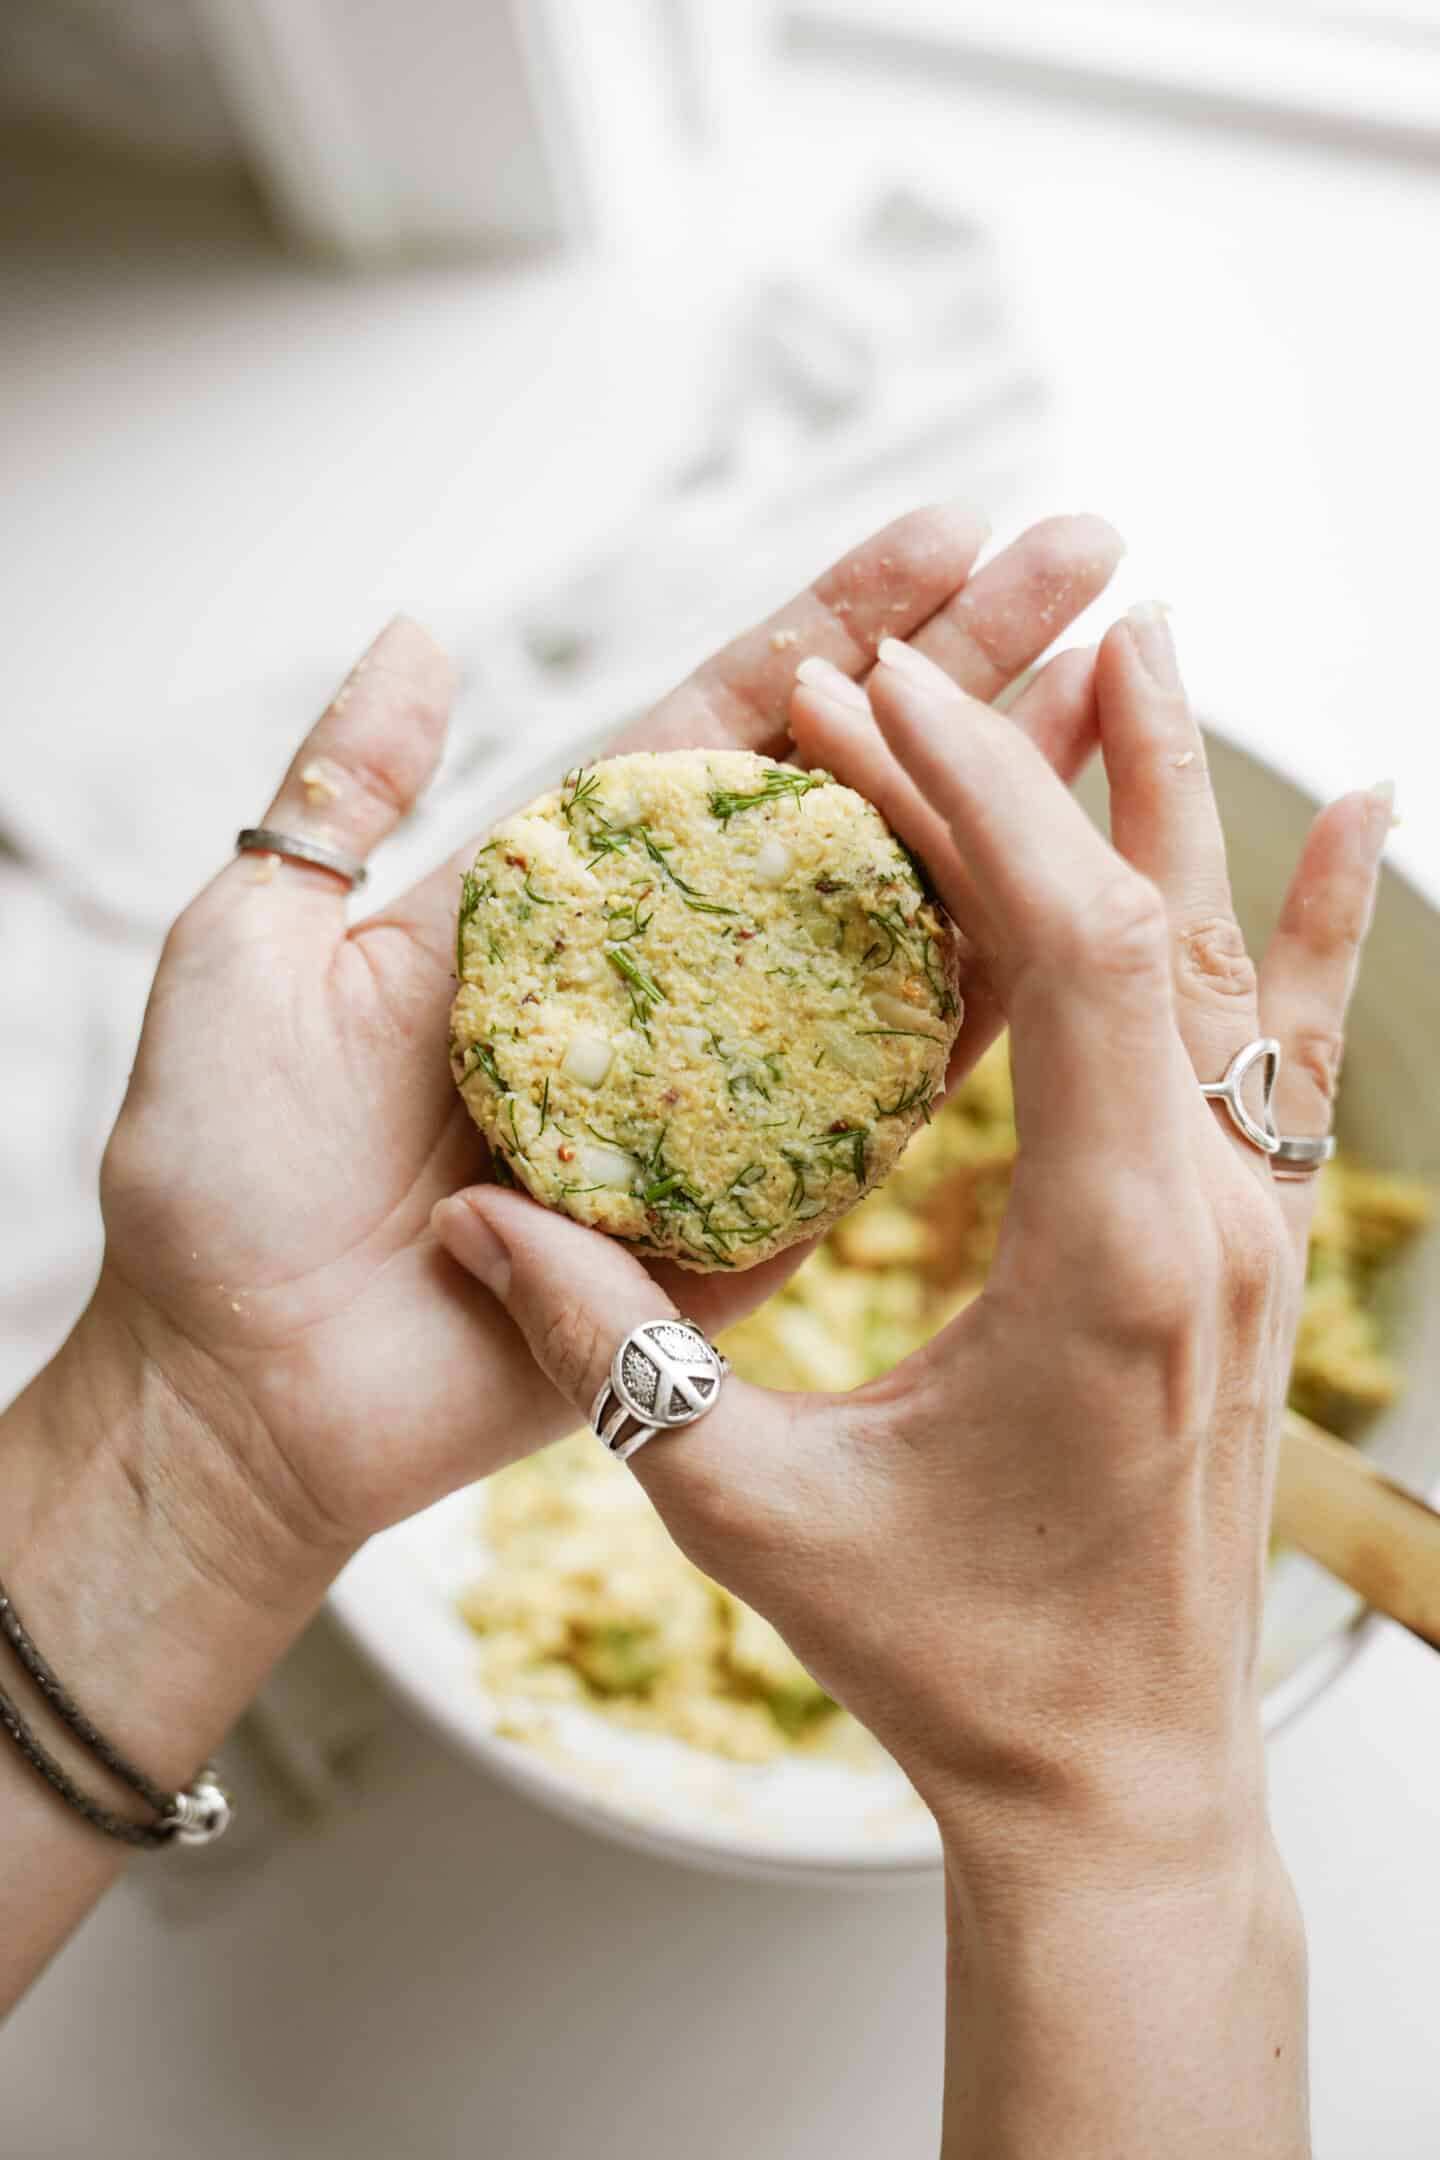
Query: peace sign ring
(664,1375)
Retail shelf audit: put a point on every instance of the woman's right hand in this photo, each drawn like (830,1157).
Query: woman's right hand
(1032,1558)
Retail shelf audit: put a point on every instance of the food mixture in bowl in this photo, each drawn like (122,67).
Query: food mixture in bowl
(587,1600)
(705,1000)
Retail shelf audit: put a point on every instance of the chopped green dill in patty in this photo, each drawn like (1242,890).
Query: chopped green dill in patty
(781,780)
(472,892)
(644,993)
(481,1058)
(581,785)
(723,997)
(917,1097)
(692,899)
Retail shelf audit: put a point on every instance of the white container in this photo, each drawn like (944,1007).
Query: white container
(805,1822)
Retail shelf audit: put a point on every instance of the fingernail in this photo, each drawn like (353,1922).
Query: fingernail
(1150,632)
(473,1242)
(831,685)
(1383,795)
(913,666)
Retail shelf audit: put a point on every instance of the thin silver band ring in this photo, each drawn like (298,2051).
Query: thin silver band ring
(1297,1158)
(663,1375)
(263,840)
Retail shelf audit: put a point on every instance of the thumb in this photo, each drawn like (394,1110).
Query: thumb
(575,1295)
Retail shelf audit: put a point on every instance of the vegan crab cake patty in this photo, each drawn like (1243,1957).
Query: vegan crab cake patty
(705,999)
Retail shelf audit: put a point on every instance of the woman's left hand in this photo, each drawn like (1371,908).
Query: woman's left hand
(278,1357)
(291,1120)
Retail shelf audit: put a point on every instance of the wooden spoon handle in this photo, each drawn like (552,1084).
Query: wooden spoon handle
(1332,1503)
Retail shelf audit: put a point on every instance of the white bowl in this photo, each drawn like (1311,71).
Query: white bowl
(809,1822)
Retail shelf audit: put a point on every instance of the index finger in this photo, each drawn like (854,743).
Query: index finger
(834,727)
(1081,957)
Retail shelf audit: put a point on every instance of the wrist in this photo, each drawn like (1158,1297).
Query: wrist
(185,1435)
(154,1574)
(1101,2014)
(1006,1892)
(1116,1803)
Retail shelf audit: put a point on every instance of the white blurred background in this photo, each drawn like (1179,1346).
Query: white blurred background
(582,331)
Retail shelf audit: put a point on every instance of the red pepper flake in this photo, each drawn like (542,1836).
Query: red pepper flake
(517,862)
(744,934)
(839,1125)
(565,1152)
(739,959)
(530,998)
(671,1095)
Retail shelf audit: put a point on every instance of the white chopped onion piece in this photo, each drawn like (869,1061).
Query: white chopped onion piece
(587,1059)
(694,1039)
(601,1165)
(893,1012)
(773,861)
(855,1054)
(580,969)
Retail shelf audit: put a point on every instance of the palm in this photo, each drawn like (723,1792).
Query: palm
(292,1121)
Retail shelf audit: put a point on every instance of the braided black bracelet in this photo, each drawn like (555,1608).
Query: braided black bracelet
(60,1783)
(192,1817)
(71,1714)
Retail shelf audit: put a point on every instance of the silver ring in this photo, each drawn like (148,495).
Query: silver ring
(664,1375)
(261,840)
(1260,1132)
(1295,1158)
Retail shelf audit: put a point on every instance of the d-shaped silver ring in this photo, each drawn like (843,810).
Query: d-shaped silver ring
(664,1375)
(1260,1132)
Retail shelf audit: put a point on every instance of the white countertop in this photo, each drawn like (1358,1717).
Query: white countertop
(219,467)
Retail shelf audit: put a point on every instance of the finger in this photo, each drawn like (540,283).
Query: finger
(1164,820)
(887,587)
(898,583)
(739,699)
(361,768)
(1006,615)
(1078,946)
(834,726)
(1056,710)
(1309,968)
(495,1406)
(574,1295)
(910,581)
